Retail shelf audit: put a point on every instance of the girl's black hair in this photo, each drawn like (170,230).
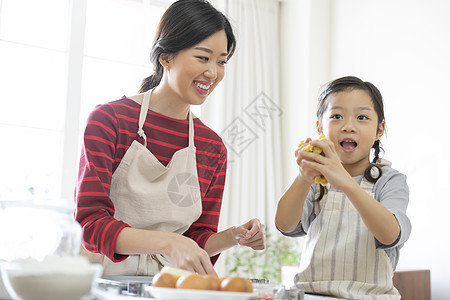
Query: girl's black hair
(354,83)
(185,24)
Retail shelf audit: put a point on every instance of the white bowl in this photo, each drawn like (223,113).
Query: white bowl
(51,279)
(3,293)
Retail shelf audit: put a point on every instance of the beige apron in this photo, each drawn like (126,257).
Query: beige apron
(340,257)
(148,195)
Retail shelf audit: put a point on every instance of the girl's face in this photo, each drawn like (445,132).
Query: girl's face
(194,72)
(351,123)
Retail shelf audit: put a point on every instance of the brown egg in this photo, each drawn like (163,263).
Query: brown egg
(222,279)
(249,285)
(192,282)
(213,282)
(236,284)
(165,280)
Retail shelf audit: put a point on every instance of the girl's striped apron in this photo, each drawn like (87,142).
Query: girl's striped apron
(340,257)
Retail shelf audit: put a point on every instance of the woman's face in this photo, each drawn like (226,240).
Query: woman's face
(194,72)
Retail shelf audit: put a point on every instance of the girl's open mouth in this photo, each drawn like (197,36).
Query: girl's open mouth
(348,145)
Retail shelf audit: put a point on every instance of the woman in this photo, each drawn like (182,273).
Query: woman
(152,175)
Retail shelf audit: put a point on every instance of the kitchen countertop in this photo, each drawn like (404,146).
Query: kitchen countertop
(135,287)
(102,295)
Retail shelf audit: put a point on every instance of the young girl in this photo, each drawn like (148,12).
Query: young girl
(151,175)
(356,225)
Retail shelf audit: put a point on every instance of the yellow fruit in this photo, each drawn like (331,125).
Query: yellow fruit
(320,179)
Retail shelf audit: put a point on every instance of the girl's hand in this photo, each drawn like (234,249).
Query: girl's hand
(187,255)
(251,234)
(306,173)
(329,165)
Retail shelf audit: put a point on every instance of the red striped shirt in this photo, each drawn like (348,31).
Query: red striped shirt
(110,130)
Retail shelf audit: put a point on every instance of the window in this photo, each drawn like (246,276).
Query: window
(59,58)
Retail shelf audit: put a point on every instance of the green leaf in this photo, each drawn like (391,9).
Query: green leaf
(280,251)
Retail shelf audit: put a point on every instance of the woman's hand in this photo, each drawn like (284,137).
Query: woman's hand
(251,234)
(187,255)
(184,252)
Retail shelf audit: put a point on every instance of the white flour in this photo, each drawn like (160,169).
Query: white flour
(54,278)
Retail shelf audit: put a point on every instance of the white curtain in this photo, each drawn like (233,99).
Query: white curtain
(245,111)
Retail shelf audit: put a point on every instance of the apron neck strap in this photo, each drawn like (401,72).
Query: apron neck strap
(191,130)
(143,115)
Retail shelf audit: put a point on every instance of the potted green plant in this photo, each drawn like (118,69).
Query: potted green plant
(266,264)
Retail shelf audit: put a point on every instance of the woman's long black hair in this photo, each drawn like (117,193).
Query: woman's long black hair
(185,24)
(354,83)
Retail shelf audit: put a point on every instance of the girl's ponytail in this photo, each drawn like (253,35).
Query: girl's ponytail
(322,192)
(368,172)
(376,146)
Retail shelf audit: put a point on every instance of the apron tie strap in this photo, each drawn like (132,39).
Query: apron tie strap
(142,265)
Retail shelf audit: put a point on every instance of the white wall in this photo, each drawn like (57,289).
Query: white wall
(403,48)
(305,67)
